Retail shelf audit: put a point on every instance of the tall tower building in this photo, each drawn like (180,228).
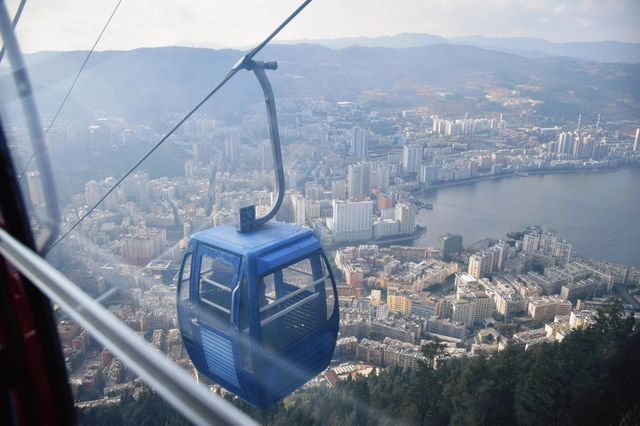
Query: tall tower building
(91,192)
(359,142)
(338,190)
(635,141)
(299,209)
(406,216)
(137,188)
(358,180)
(565,143)
(450,245)
(232,148)
(380,173)
(531,242)
(481,264)
(266,154)
(411,158)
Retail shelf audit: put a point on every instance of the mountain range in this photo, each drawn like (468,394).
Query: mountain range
(600,51)
(153,85)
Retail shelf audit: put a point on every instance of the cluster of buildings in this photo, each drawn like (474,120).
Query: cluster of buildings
(466,126)
(350,174)
(393,305)
(556,330)
(354,221)
(149,309)
(387,353)
(538,247)
(445,161)
(371,266)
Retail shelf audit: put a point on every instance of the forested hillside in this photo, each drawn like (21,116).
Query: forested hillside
(591,378)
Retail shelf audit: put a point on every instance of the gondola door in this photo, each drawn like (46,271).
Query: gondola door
(217,289)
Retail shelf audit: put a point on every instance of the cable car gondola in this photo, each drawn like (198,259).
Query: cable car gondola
(257,302)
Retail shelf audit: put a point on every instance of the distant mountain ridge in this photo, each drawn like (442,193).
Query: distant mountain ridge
(396,41)
(599,51)
(154,84)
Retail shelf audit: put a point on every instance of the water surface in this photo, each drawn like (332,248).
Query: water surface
(599,213)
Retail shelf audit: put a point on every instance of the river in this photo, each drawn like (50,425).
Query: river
(598,212)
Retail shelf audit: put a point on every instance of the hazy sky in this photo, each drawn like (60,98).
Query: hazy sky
(74,24)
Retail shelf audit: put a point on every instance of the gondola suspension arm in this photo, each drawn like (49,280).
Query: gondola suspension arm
(248,221)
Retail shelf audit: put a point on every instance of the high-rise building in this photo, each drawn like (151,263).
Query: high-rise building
(450,245)
(35,188)
(186,230)
(566,142)
(266,154)
(411,158)
(144,244)
(359,142)
(201,152)
(91,192)
(352,221)
(546,308)
(299,209)
(405,214)
(635,141)
(313,191)
(500,254)
(339,190)
(379,175)
(531,242)
(136,187)
(547,242)
(482,264)
(232,148)
(477,266)
(399,302)
(562,252)
(358,183)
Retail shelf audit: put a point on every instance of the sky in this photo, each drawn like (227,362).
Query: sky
(75,24)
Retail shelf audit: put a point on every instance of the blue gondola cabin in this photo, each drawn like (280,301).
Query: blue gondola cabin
(258,310)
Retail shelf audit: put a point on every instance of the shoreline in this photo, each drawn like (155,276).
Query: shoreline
(603,231)
(421,230)
(526,174)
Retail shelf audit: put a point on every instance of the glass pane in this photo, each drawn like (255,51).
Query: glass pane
(293,302)
(216,284)
(184,284)
(331,296)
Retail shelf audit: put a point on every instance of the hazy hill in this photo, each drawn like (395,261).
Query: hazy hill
(395,41)
(155,83)
(601,51)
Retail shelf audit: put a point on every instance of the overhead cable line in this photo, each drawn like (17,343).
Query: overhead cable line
(237,67)
(14,23)
(73,84)
(22,82)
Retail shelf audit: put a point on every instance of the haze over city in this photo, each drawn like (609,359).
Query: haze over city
(449,190)
(63,25)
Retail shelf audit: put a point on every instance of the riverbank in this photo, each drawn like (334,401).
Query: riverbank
(420,231)
(537,172)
